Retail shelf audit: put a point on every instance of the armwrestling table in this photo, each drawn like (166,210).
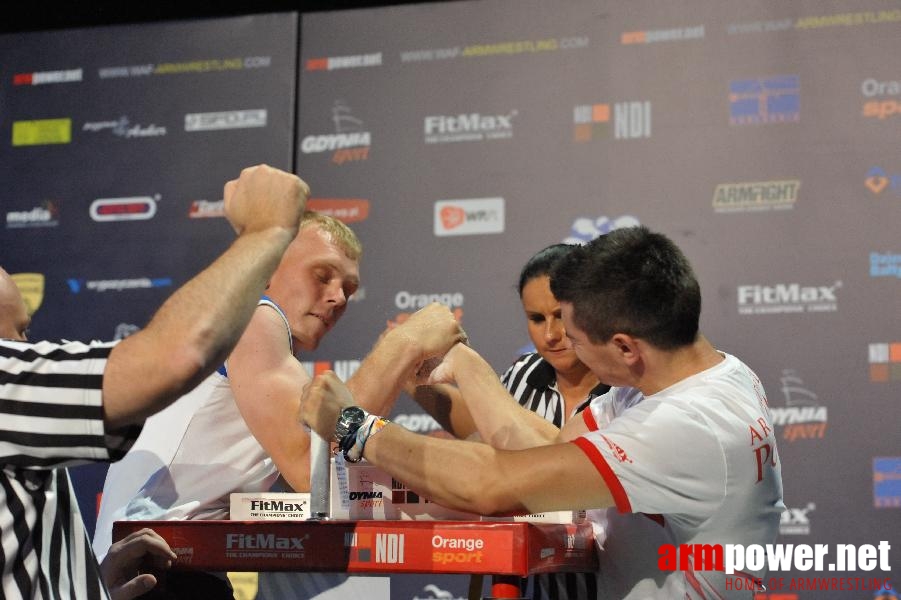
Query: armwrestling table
(505,550)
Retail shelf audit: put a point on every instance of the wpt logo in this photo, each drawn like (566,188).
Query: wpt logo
(585,229)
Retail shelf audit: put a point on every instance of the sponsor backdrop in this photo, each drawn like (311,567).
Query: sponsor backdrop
(115,144)
(459,138)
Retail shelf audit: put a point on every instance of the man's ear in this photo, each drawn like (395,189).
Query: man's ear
(627,346)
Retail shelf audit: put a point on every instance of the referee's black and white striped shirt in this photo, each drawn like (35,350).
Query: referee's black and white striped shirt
(533,382)
(51,417)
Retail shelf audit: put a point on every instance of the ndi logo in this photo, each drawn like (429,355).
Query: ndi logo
(630,120)
(885,361)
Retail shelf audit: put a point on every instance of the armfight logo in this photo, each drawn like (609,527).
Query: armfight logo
(349,143)
(477,216)
(757,196)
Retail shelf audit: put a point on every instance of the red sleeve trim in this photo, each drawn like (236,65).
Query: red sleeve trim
(588,417)
(613,484)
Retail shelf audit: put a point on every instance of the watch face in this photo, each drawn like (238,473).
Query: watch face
(350,419)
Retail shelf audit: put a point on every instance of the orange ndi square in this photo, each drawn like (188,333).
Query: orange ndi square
(894,352)
(879,372)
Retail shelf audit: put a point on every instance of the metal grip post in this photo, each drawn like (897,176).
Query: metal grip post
(320,479)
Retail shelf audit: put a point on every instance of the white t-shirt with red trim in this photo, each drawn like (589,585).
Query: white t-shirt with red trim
(695,463)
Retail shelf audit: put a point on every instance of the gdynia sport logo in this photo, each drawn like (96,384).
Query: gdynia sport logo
(737,560)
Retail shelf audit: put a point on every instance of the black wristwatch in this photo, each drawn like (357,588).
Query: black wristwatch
(349,421)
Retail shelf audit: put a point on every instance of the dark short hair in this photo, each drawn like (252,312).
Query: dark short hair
(631,281)
(541,263)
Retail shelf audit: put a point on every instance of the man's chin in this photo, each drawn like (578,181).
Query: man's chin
(307,344)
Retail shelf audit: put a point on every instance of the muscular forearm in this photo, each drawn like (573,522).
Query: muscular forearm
(459,475)
(194,330)
(474,477)
(445,404)
(500,420)
(383,373)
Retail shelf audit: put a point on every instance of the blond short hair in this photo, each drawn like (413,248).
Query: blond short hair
(343,235)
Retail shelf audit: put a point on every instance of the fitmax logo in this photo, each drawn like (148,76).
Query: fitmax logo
(787,298)
(468,127)
(262,541)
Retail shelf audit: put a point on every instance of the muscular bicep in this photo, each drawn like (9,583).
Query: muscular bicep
(267,382)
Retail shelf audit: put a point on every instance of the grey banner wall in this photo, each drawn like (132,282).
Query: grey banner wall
(459,138)
(761,137)
(116,143)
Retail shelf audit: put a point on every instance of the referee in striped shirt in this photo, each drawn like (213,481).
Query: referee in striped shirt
(553,383)
(69,403)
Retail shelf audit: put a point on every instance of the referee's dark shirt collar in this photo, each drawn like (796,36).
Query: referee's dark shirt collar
(544,376)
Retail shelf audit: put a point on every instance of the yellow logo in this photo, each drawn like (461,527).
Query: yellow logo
(42,132)
(31,286)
